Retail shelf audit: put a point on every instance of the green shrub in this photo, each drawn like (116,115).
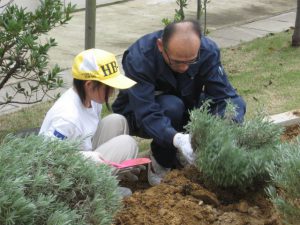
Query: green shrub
(285,175)
(232,155)
(179,13)
(48,182)
(24,59)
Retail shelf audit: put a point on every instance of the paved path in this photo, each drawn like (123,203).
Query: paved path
(121,24)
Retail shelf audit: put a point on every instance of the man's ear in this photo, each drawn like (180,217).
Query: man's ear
(159,44)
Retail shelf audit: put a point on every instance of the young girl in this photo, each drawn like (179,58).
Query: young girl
(77,113)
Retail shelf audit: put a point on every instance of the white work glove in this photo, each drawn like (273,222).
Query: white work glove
(92,155)
(183,143)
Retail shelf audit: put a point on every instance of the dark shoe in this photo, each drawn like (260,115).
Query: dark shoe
(156,172)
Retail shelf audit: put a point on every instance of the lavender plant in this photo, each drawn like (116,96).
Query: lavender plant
(229,154)
(48,182)
(285,176)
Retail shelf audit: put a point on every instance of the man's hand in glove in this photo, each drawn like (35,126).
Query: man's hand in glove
(183,144)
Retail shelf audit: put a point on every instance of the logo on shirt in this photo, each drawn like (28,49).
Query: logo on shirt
(59,135)
(221,70)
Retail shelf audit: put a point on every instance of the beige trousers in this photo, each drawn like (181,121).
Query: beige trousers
(112,140)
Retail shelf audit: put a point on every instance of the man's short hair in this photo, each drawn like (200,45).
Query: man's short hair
(170,29)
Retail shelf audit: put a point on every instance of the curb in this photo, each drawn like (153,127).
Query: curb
(102,5)
(287,118)
(253,20)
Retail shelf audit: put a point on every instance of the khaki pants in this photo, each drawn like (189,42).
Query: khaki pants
(112,140)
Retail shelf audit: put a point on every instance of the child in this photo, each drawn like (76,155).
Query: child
(77,113)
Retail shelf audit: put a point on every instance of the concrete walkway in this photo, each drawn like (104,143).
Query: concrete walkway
(119,25)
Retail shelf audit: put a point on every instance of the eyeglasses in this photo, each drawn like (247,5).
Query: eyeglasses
(173,62)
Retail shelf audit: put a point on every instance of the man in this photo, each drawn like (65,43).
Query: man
(176,70)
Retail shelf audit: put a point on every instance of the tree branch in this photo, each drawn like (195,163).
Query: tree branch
(9,74)
(5,49)
(2,6)
(23,103)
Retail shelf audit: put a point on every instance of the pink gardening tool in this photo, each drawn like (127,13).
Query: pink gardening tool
(129,163)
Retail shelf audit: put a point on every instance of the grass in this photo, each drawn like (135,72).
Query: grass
(266,72)
(29,117)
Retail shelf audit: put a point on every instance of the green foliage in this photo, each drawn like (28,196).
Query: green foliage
(179,13)
(23,56)
(48,182)
(232,155)
(202,8)
(284,174)
(257,133)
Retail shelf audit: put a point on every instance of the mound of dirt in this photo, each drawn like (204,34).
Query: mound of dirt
(182,199)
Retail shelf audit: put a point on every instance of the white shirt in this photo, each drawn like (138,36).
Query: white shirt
(69,119)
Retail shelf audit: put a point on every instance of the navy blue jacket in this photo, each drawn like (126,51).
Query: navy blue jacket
(144,63)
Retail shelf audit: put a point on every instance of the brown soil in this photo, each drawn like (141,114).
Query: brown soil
(291,132)
(182,199)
